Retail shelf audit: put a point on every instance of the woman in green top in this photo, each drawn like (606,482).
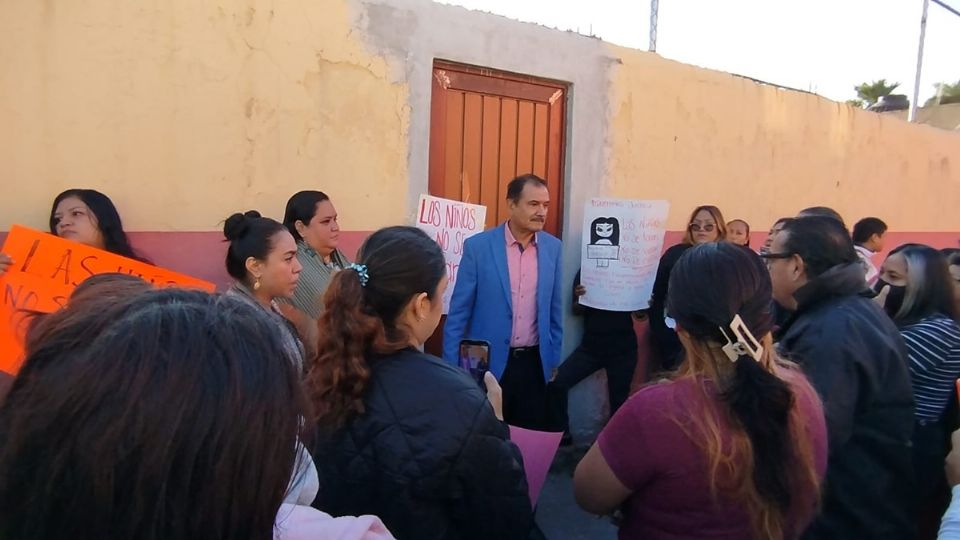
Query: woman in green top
(312,220)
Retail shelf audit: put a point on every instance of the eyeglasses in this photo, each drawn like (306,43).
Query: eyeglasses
(769,257)
(696,227)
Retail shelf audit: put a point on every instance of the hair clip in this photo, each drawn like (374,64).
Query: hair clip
(361,270)
(742,343)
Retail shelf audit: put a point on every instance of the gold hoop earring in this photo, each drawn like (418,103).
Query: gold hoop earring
(256,284)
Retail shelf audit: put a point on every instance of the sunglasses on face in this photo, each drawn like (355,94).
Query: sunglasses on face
(707,227)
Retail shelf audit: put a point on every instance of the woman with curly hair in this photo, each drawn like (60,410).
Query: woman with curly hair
(402,434)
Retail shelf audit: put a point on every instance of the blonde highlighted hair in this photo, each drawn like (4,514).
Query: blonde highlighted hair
(717,216)
(765,459)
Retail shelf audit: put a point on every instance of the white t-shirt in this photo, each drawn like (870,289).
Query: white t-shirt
(866,258)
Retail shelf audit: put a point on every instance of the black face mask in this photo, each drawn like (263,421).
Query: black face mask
(894,298)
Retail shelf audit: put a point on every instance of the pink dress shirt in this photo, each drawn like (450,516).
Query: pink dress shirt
(522,266)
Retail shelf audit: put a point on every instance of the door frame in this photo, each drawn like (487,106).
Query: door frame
(487,81)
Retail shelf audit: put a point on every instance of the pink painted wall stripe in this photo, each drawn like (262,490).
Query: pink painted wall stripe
(201,254)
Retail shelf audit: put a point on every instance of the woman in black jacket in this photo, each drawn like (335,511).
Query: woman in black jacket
(401,434)
(706,225)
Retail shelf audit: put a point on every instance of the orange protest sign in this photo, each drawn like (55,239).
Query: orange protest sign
(46,269)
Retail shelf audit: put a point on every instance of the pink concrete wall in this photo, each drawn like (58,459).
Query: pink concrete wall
(201,254)
(939,240)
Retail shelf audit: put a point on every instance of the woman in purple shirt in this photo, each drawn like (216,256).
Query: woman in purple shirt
(735,445)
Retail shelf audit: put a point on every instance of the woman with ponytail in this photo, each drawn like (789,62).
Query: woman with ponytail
(734,446)
(402,434)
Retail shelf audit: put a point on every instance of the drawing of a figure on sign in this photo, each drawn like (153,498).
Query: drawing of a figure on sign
(604,243)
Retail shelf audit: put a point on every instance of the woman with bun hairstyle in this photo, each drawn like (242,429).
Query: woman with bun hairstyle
(404,435)
(262,257)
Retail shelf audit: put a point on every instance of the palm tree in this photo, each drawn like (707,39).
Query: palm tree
(870,93)
(946,93)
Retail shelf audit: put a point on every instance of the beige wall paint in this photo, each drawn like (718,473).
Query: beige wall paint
(185,111)
(695,136)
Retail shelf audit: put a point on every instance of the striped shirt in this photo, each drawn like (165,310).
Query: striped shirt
(314,278)
(933,345)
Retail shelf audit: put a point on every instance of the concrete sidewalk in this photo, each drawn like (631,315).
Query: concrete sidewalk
(558,515)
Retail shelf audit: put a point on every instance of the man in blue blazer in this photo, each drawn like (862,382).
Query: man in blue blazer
(508,294)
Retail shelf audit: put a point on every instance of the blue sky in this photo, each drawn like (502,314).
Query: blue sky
(824,46)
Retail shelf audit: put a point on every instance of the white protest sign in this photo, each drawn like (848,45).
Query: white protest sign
(622,242)
(450,223)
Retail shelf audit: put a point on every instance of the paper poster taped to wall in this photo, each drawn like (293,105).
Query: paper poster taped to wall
(450,223)
(622,243)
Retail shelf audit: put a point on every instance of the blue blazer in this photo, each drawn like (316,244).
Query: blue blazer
(481,306)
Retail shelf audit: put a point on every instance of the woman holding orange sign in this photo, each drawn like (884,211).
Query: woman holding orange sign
(90,218)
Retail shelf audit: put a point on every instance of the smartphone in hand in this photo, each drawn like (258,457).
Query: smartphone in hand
(475,358)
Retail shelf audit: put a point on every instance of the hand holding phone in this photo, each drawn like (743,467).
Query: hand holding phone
(494,394)
(475,358)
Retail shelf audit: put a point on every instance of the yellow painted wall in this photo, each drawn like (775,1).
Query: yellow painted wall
(184,111)
(695,136)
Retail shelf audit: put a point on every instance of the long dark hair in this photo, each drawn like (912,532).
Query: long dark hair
(769,464)
(108,220)
(361,320)
(614,223)
(929,286)
(250,235)
(302,207)
(162,415)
